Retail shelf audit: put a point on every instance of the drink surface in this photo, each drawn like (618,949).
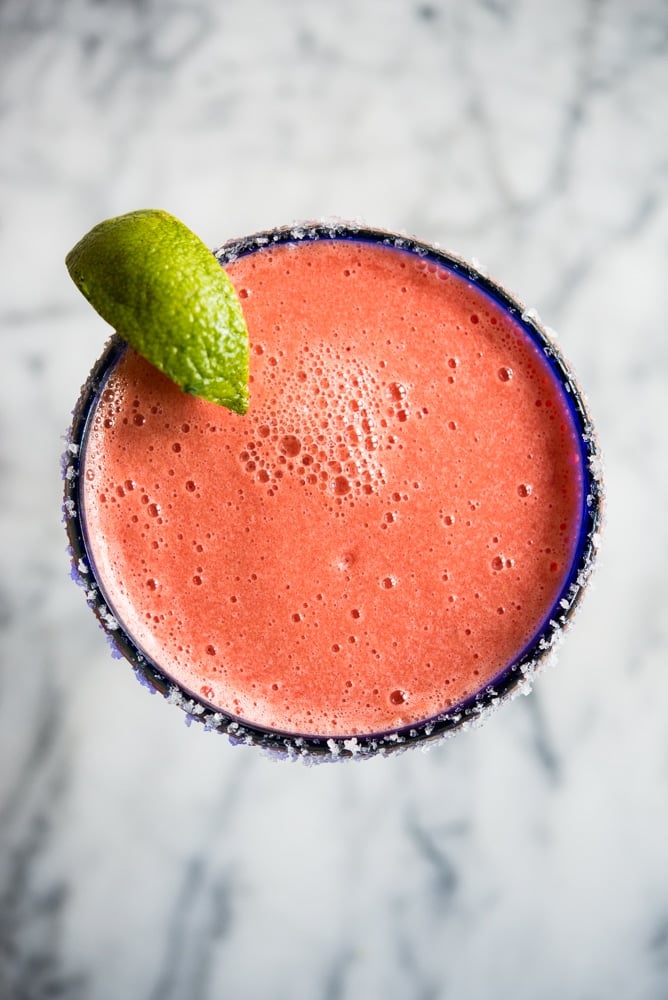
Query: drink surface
(386,530)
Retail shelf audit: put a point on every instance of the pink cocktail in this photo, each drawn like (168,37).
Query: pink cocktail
(391,540)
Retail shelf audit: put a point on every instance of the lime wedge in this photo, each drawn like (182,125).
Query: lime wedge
(165,293)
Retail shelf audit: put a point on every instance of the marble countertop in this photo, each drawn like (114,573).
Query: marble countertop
(140,858)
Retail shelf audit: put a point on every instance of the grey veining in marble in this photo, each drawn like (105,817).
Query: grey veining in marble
(140,858)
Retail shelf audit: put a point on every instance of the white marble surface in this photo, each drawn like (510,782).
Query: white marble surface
(143,859)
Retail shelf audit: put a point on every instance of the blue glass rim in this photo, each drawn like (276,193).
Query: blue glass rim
(514,678)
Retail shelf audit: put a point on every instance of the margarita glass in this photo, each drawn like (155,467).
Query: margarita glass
(386,547)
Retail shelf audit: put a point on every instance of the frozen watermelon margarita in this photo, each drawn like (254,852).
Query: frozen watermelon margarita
(392,539)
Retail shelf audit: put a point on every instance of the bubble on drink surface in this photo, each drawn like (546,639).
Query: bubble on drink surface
(396,391)
(502,562)
(290,445)
(341,485)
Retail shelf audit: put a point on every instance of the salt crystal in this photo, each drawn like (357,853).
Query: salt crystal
(531,316)
(107,617)
(212,721)
(596,466)
(175,697)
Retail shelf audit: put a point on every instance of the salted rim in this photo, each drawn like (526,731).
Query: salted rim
(514,679)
